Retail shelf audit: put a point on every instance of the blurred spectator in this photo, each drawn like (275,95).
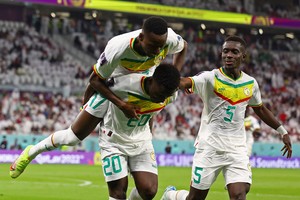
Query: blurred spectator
(3,144)
(168,148)
(31,59)
(15,145)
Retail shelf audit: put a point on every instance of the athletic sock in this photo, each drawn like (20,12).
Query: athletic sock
(134,195)
(177,195)
(55,140)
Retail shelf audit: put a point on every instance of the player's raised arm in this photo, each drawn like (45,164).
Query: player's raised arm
(267,116)
(179,58)
(185,83)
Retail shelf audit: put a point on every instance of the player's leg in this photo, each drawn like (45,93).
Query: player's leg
(115,171)
(83,125)
(197,194)
(238,191)
(117,189)
(143,168)
(206,167)
(238,176)
(146,185)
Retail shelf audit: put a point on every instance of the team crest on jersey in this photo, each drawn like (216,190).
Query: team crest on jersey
(247,91)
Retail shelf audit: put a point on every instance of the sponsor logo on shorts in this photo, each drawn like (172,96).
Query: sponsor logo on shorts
(152,156)
(249,166)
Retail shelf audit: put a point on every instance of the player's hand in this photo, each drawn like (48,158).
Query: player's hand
(130,110)
(287,149)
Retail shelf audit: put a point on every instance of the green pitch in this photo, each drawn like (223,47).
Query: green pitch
(78,182)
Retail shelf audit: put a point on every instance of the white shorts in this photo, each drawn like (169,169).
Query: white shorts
(207,165)
(97,106)
(116,165)
(249,148)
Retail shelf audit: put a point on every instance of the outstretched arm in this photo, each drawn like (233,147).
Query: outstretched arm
(267,116)
(99,85)
(185,83)
(179,58)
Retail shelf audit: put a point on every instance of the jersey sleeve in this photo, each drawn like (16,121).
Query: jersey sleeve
(256,96)
(198,83)
(174,41)
(108,60)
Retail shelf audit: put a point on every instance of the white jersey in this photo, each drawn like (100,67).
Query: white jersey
(225,101)
(251,124)
(129,134)
(119,57)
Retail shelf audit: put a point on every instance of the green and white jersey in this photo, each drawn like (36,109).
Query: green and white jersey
(119,57)
(225,101)
(129,134)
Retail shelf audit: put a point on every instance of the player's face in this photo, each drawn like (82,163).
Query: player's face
(158,93)
(233,54)
(152,44)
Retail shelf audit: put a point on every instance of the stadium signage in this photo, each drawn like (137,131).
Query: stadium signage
(171,11)
(152,9)
(176,160)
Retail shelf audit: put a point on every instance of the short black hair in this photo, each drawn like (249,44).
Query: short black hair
(236,38)
(156,25)
(168,76)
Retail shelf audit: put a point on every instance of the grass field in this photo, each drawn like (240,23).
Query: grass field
(83,182)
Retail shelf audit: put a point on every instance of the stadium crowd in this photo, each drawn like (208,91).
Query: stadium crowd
(30,58)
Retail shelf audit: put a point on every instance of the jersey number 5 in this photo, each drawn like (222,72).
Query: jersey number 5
(229,112)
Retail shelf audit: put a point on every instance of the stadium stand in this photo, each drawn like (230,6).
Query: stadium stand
(42,84)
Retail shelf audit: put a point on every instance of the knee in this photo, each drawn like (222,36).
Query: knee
(239,191)
(148,192)
(118,192)
(239,195)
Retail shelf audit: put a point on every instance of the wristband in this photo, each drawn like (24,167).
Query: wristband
(281,130)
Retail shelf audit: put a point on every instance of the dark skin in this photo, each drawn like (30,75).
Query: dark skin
(233,54)
(147,44)
(146,182)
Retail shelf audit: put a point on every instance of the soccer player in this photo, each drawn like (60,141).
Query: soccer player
(137,51)
(252,128)
(126,143)
(221,141)
(134,52)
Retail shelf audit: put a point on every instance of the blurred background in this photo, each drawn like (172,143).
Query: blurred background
(47,49)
